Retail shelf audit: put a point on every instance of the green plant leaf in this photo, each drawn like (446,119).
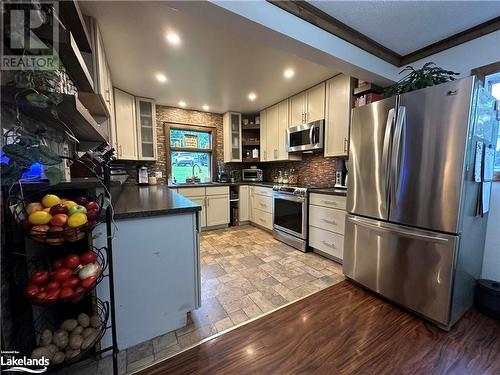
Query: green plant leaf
(11,172)
(47,156)
(21,154)
(38,100)
(54,175)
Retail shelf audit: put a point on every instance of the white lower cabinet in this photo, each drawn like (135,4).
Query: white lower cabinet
(261,204)
(201,201)
(217,210)
(214,202)
(327,224)
(244,203)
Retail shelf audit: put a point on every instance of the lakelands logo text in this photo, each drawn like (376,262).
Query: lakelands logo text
(23,364)
(30,33)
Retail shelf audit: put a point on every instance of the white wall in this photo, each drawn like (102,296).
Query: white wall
(466,56)
(491,262)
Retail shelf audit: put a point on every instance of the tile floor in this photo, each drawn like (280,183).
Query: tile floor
(245,273)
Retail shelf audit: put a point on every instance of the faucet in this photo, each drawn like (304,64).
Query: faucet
(199,170)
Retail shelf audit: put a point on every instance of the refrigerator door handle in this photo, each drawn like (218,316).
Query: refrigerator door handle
(406,232)
(397,145)
(385,151)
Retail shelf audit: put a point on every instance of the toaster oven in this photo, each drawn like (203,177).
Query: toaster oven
(251,175)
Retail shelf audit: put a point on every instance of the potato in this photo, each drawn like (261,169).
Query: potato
(84,320)
(41,352)
(75,341)
(58,358)
(95,321)
(46,337)
(60,338)
(88,341)
(69,325)
(53,348)
(77,331)
(71,353)
(88,331)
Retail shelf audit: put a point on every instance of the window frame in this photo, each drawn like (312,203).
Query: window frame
(211,129)
(489,81)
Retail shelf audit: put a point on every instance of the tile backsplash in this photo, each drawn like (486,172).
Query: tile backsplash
(313,170)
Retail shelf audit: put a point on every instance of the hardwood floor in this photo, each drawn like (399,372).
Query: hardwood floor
(344,330)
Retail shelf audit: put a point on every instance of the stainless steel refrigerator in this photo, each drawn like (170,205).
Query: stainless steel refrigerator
(417,196)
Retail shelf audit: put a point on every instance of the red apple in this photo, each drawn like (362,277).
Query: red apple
(65,293)
(82,200)
(72,261)
(39,278)
(32,290)
(72,282)
(58,209)
(88,257)
(93,214)
(59,220)
(41,295)
(92,206)
(52,285)
(58,263)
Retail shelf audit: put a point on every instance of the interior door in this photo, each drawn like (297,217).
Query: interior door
(411,267)
(315,103)
(428,156)
(369,151)
(297,109)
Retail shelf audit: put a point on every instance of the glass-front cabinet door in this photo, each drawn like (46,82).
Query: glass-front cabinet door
(146,128)
(232,136)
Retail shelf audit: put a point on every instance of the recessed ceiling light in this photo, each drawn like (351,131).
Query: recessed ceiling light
(173,38)
(289,73)
(182,103)
(161,78)
(205,107)
(252,96)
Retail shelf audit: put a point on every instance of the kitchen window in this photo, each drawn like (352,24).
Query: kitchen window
(190,150)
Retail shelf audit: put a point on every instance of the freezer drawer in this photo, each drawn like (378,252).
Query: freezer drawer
(411,267)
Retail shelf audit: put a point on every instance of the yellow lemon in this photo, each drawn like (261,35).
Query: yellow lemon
(77,220)
(68,204)
(50,200)
(39,218)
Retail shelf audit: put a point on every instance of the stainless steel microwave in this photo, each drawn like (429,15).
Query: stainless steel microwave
(305,137)
(252,174)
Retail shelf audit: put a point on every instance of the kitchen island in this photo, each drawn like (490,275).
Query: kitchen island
(156,260)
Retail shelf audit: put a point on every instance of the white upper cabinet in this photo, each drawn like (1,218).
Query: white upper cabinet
(125,123)
(274,123)
(298,109)
(146,128)
(232,136)
(135,127)
(339,91)
(308,106)
(315,103)
(263,136)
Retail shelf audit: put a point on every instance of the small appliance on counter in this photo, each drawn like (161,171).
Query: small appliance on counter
(341,179)
(252,175)
(142,176)
(221,175)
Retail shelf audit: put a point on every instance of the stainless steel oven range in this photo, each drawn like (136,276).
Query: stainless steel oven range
(290,215)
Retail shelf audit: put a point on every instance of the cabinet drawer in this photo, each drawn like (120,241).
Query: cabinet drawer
(263,218)
(192,192)
(328,242)
(327,218)
(218,190)
(263,203)
(331,201)
(268,192)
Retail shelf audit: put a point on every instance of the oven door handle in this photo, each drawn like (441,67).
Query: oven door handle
(289,197)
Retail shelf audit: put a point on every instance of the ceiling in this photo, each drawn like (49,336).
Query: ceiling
(212,65)
(406,26)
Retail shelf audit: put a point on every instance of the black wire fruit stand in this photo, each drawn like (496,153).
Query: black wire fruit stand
(46,313)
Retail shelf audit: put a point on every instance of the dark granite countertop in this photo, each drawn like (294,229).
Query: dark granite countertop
(329,191)
(144,201)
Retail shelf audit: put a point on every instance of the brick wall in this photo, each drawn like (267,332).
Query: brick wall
(313,169)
